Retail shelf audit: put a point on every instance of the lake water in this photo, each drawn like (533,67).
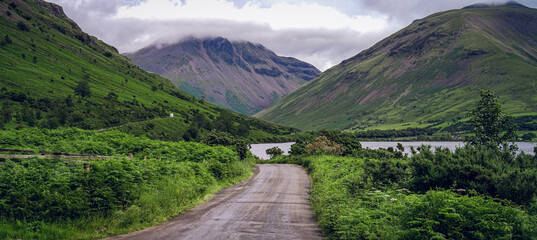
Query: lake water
(527,147)
(259,149)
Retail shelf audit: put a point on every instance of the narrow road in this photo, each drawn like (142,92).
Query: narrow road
(272,204)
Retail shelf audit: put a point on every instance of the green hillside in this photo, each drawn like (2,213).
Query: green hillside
(426,75)
(53,74)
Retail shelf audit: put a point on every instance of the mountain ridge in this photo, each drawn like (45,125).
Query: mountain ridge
(425,75)
(238,75)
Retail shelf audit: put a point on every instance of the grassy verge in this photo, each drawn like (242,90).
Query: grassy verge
(363,198)
(53,199)
(158,204)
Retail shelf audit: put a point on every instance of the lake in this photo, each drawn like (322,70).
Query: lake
(259,149)
(527,147)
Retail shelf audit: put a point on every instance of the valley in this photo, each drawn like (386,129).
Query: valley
(210,137)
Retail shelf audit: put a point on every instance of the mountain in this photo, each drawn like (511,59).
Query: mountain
(426,75)
(53,74)
(241,76)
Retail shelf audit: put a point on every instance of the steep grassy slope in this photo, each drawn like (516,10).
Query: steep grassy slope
(53,74)
(240,76)
(427,74)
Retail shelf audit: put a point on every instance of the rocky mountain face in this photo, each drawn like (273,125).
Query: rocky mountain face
(425,75)
(242,76)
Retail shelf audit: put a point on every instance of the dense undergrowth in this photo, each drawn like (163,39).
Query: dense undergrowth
(483,190)
(54,199)
(472,193)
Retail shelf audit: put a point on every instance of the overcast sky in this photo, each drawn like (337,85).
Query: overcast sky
(322,33)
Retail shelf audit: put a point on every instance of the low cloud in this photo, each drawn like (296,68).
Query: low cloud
(312,31)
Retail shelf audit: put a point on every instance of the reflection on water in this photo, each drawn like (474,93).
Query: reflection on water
(259,150)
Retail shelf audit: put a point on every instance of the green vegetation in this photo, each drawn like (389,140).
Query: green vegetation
(322,144)
(51,199)
(55,75)
(474,193)
(480,191)
(57,80)
(491,127)
(274,152)
(425,76)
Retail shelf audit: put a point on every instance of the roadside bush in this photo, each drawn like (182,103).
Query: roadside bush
(386,171)
(298,148)
(490,171)
(349,142)
(322,145)
(38,189)
(54,190)
(349,206)
(446,215)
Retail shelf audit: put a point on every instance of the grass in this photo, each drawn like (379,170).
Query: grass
(351,202)
(115,196)
(48,60)
(156,205)
(469,57)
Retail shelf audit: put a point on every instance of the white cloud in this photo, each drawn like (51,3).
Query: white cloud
(281,15)
(320,32)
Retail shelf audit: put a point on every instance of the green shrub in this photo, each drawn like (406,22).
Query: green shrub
(349,142)
(446,215)
(274,152)
(386,171)
(298,148)
(490,171)
(174,174)
(350,206)
(322,145)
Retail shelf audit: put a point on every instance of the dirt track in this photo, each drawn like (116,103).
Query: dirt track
(272,204)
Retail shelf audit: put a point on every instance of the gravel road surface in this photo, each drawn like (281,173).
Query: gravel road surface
(272,204)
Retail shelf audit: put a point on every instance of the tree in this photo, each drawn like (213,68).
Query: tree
(226,139)
(242,148)
(22,26)
(225,122)
(83,89)
(243,129)
(528,136)
(8,39)
(219,138)
(273,152)
(192,133)
(202,121)
(7,112)
(400,147)
(298,148)
(28,114)
(491,126)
